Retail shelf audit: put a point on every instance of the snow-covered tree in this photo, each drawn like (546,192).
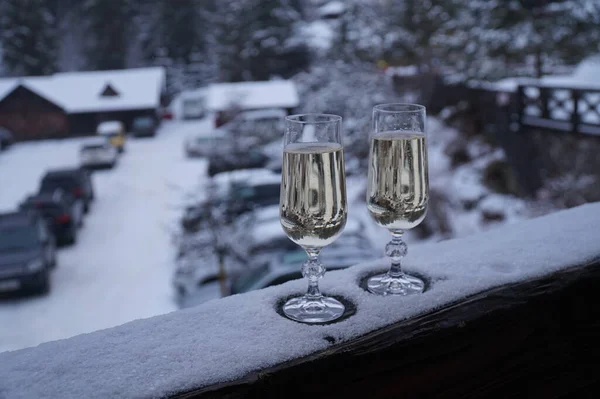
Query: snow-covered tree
(28,35)
(348,89)
(107,33)
(257,39)
(178,38)
(415,26)
(361,32)
(550,30)
(491,38)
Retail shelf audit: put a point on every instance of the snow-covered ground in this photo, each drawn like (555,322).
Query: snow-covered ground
(120,268)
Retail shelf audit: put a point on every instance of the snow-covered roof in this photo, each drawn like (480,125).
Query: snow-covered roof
(263,114)
(228,338)
(77,92)
(331,9)
(110,127)
(253,95)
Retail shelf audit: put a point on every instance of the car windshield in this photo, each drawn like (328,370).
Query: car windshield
(248,279)
(15,238)
(143,122)
(53,183)
(294,257)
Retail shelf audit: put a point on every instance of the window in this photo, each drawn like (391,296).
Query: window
(109,91)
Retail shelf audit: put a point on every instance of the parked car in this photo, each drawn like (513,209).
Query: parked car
(27,252)
(194,106)
(115,132)
(166,114)
(76,181)
(205,146)
(62,212)
(259,240)
(98,154)
(144,126)
(199,282)
(226,189)
(253,194)
(228,161)
(265,123)
(6,138)
(287,266)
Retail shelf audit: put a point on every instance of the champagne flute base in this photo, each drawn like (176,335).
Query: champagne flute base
(313,310)
(385,284)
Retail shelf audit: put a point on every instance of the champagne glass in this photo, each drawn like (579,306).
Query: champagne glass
(398,187)
(313,207)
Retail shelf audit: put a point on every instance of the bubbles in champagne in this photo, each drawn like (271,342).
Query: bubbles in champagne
(313,193)
(398,185)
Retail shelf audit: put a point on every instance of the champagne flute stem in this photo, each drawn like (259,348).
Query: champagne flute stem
(396,250)
(313,270)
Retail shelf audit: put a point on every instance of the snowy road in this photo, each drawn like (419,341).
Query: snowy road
(120,269)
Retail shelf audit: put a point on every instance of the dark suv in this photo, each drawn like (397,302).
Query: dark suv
(75,181)
(27,252)
(61,210)
(228,161)
(144,126)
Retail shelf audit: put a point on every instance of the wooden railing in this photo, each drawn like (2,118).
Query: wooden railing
(511,312)
(559,108)
(514,119)
(535,339)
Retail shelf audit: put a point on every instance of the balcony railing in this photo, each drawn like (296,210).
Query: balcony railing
(512,311)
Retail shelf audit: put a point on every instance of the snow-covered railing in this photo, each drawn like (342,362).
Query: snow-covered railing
(512,306)
(559,108)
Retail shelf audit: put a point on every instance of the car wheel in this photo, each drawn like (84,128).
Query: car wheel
(72,237)
(43,287)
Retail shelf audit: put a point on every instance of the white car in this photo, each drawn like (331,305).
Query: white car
(250,128)
(98,154)
(204,146)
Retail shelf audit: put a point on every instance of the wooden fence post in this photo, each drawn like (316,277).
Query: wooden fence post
(544,97)
(520,106)
(575,119)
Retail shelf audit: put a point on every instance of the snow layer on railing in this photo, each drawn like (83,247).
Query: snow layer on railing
(227,338)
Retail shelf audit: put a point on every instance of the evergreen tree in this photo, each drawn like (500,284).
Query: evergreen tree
(257,39)
(493,39)
(177,38)
(417,27)
(107,27)
(28,36)
(550,30)
(361,32)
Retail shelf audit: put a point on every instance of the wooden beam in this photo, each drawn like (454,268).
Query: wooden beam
(535,339)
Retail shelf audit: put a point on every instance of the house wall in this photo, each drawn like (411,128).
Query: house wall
(86,123)
(31,117)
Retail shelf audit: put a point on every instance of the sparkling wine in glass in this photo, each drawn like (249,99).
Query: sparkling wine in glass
(398,187)
(313,207)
